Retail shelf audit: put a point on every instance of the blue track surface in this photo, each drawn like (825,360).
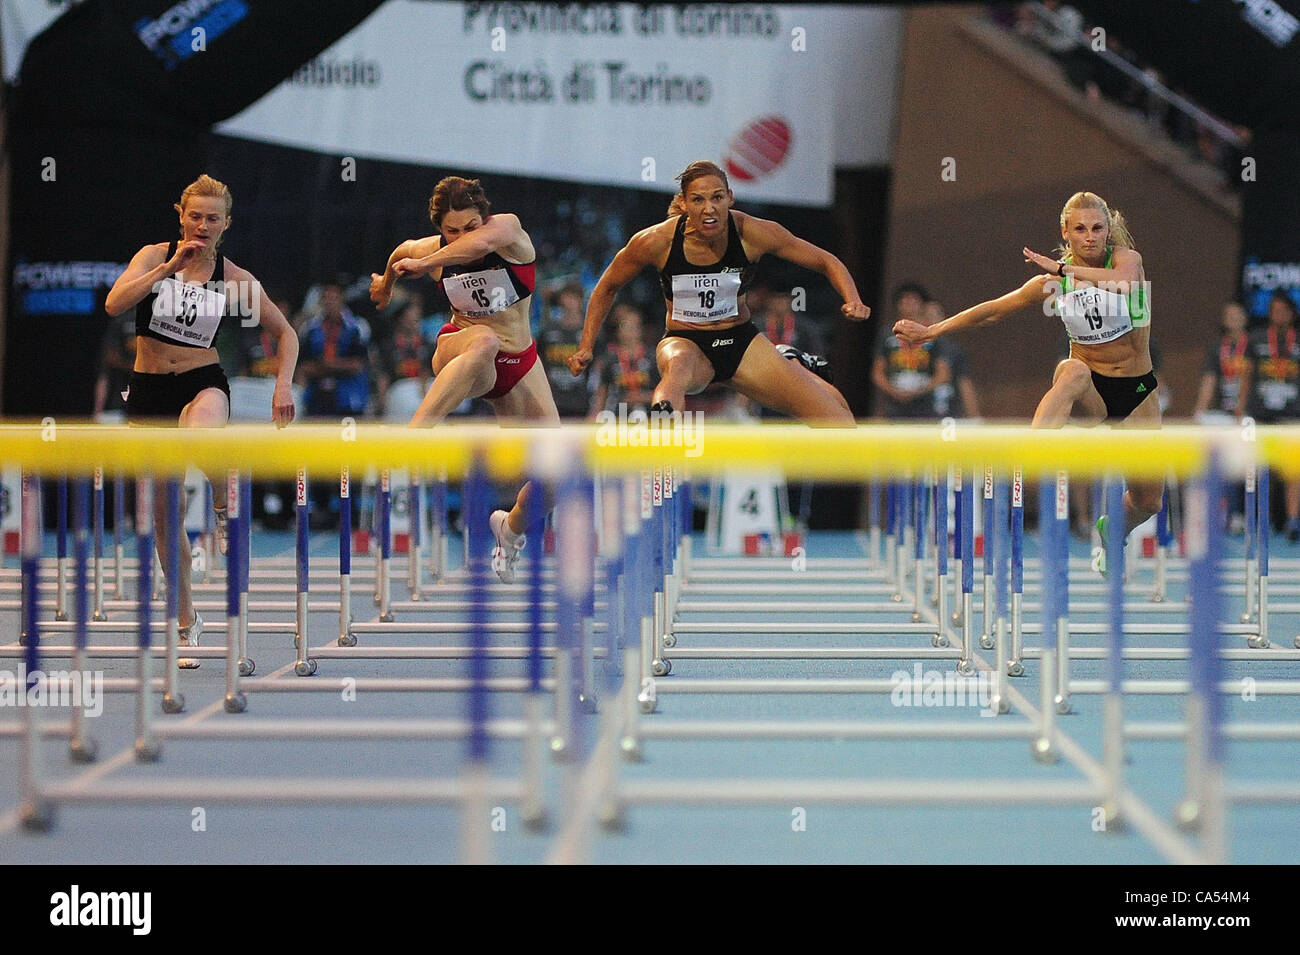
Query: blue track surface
(983,833)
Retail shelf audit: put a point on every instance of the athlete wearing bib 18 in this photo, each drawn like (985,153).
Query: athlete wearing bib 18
(485,263)
(1098,289)
(705,254)
(185,294)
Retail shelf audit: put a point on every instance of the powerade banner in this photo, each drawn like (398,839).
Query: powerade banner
(110,119)
(611,93)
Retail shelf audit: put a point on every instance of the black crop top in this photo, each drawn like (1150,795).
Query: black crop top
(186,314)
(733,260)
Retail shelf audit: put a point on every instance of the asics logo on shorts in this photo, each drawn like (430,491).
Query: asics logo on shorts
(722,341)
(507,361)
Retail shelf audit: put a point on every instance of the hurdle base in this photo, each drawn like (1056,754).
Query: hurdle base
(173,704)
(1043,750)
(83,750)
(1187,815)
(37,816)
(147,752)
(588,702)
(235,702)
(247,667)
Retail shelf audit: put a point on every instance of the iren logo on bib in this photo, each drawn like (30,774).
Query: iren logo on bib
(74,908)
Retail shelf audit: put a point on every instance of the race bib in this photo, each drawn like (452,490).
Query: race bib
(1094,315)
(480,294)
(911,380)
(187,314)
(705,299)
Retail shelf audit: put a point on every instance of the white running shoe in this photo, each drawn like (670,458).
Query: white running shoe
(509,546)
(189,637)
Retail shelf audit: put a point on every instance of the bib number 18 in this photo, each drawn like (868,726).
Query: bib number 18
(706,299)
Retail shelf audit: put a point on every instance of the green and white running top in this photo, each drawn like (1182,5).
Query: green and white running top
(1094,316)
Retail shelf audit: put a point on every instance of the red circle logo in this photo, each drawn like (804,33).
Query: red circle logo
(758,149)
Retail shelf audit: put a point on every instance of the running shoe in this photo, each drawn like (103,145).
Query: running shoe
(189,637)
(509,546)
(817,364)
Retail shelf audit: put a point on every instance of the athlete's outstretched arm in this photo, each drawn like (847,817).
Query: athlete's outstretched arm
(639,253)
(1127,269)
(498,233)
(769,236)
(1035,290)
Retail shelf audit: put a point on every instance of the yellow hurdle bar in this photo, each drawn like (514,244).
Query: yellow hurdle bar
(76,448)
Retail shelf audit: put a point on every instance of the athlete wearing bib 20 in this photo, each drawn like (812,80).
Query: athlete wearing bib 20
(180,292)
(705,253)
(1098,289)
(485,264)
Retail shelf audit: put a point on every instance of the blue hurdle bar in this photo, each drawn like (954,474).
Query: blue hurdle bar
(1001,547)
(81,748)
(986,635)
(303,665)
(98,517)
(36,813)
(1044,744)
(1061,539)
(147,748)
(61,550)
(1262,525)
(235,701)
(1014,665)
(1113,702)
(346,637)
(966,664)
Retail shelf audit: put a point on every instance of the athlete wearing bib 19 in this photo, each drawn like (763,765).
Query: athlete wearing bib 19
(486,265)
(705,254)
(181,293)
(1098,289)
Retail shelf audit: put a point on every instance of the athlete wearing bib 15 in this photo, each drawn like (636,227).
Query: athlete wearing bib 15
(488,288)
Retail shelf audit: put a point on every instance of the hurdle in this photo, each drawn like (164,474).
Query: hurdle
(640,576)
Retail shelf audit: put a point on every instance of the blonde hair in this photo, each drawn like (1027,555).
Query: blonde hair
(696,170)
(206,187)
(1119,234)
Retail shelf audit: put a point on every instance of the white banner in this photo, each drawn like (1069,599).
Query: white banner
(618,94)
(20,22)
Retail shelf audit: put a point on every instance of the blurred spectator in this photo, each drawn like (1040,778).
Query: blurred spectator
(1225,360)
(626,373)
(333,360)
(558,340)
(116,359)
(405,365)
(906,376)
(1218,399)
(1060,32)
(1270,385)
(955,399)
